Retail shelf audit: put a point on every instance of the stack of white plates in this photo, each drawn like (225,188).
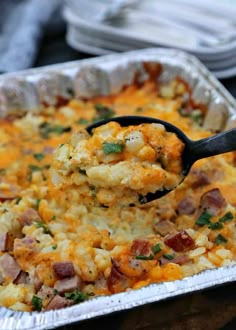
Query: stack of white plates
(205,28)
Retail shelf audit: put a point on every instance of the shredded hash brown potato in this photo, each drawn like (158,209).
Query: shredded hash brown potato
(123,164)
(56,250)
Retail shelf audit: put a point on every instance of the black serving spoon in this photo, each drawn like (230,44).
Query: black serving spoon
(194,150)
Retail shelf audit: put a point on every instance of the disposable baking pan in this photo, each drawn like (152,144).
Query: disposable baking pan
(30,90)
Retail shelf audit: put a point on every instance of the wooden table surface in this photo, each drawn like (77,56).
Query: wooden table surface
(208,310)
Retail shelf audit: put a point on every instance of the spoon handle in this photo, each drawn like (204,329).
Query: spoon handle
(214,145)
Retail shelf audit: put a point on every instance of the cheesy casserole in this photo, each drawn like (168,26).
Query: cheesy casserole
(123,164)
(58,247)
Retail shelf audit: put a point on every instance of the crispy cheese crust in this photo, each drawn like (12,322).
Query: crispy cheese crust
(58,247)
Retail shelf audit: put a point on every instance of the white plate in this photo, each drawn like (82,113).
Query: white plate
(149,34)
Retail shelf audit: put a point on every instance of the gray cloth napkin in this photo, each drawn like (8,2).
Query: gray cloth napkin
(22,25)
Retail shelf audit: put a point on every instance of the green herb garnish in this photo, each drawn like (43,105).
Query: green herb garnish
(54,247)
(227,217)
(53,217)
(39,156)
(18,199)
(215,225)
(168,256)
(82,121)
(196,116)
(204,219)
(93,190)
(45,129)
(34,168)
(156,248)
(220,239)
(81,171)
(103,112)
(37,303)
(77,296)
(109,148)
(38,200)
(40,224)
(141,257)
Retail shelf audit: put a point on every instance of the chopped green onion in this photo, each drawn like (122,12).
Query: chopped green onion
(81,171)
(34,168)
(141,257)
(196,116)
(53,217)
(109,148)
(54,247)
(103,112)
(204,219)
(39,156)
(93,190)
(40,224)
(220,239)
(215,225)
(168,256)
(227,217)
(37,303)
(18,199)
(77,296)
(38,200)
(45,129)
(156,248)
(82,121)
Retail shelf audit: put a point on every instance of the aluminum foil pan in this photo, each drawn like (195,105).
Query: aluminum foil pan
(31,90)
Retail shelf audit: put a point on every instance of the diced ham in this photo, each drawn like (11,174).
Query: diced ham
(165,211)
(58,302)
(200,178)
(164,227)
(68,284)
(117,282)
(22,278)
(6,196)
(28,217)
(9,267)
(180,260)
(63,269)
(37,283)
(4,241)
(186,206)
(27,241)
(212,202)
(180,241)
(141,247)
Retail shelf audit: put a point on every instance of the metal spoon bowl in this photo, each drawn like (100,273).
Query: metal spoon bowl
(193,151)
